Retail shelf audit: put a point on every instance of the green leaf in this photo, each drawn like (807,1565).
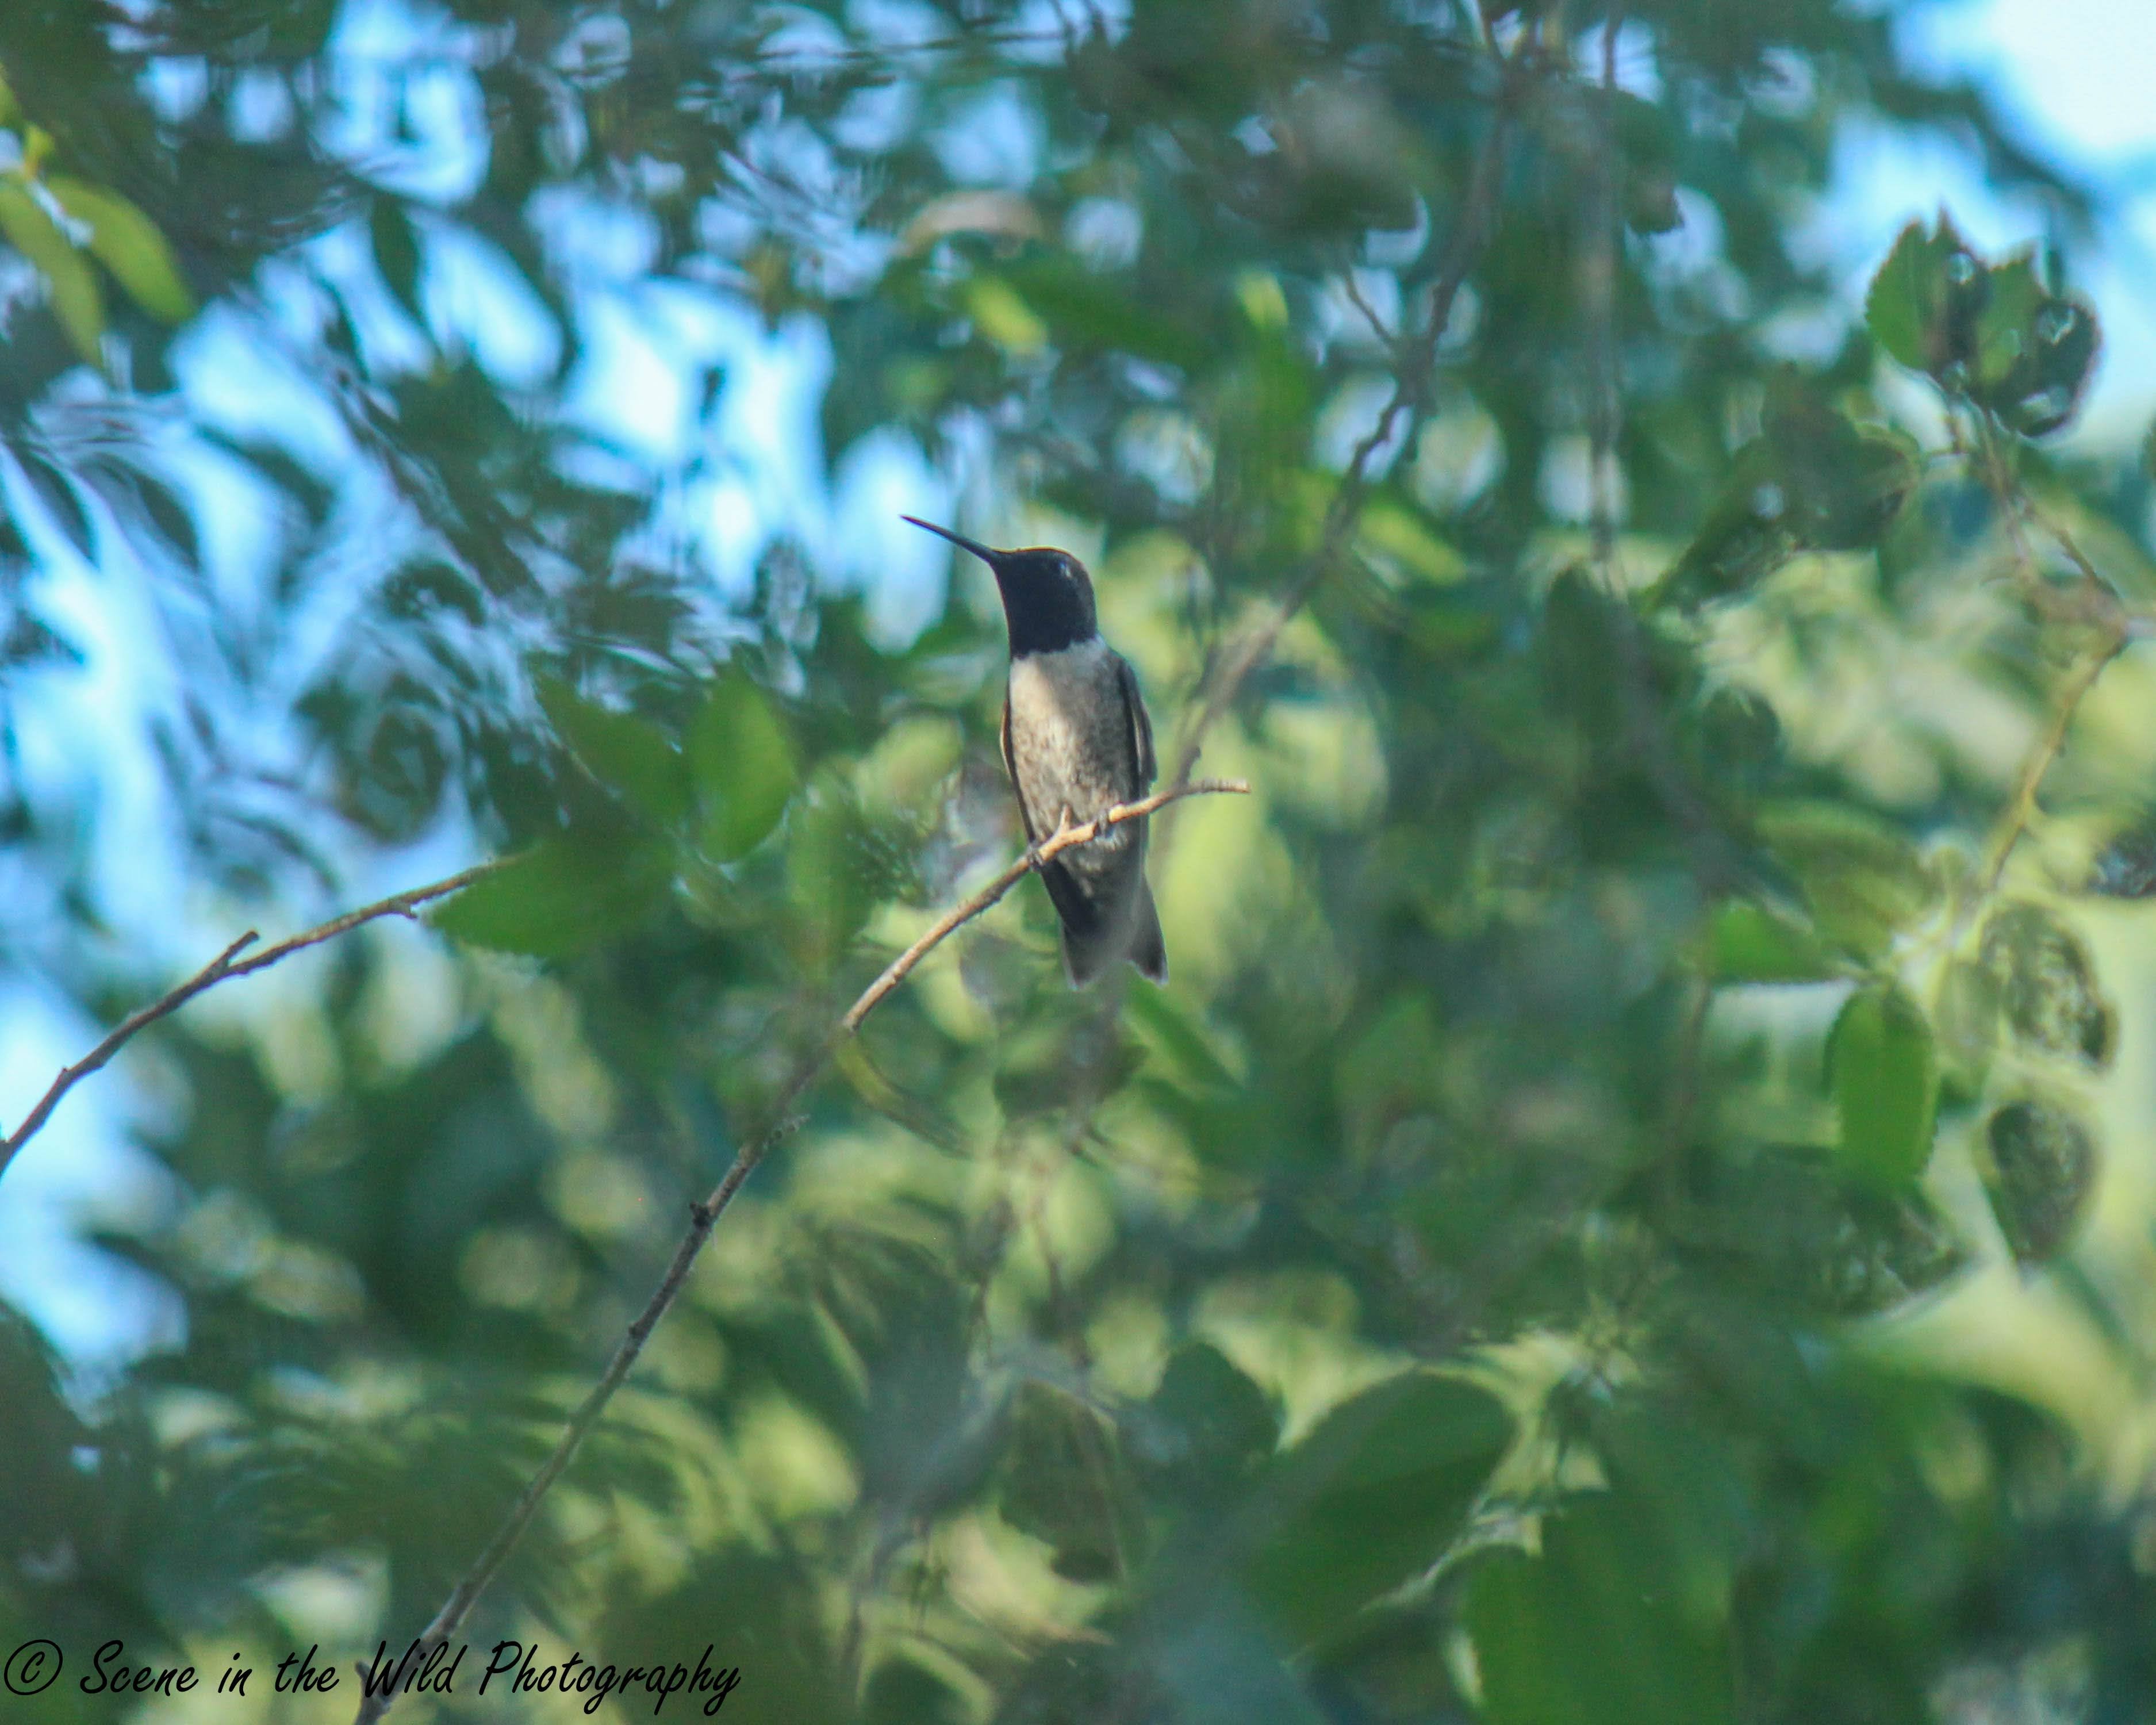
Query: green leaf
(1863,877)
(624,753)
(1883,1070)
(2043,1168)
(75,300)
(1965,1020)
(129,245)
(743,764)
(1920,296)
(1063,1482)
(397,254)
(558,898)
(1207,1427)
(2047,984)
(1751,944)
(1373,1497)
(1589,1634)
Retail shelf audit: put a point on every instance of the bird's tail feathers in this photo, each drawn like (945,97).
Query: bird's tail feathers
(1090,952)
(1148,946)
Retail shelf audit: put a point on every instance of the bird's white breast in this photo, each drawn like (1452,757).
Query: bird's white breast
(1058,698)
(1070,734)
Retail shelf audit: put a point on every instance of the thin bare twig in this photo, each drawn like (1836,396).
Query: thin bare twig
(2021,807)
(704,1216)
(220,969)
(2089,602)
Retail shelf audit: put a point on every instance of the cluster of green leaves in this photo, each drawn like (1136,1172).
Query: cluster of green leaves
(1534,1263)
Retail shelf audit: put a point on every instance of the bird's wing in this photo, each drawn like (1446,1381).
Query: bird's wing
(1141,723)
(1010,771)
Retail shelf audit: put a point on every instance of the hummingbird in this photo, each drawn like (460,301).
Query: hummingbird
(1076,741)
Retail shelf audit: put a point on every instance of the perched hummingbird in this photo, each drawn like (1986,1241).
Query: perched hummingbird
(1076,742)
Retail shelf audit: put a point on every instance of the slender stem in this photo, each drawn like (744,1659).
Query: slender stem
(222,968)
(2021,807)
(778,1122)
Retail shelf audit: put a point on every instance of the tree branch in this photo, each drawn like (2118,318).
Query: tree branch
(703,1215)
(222,968)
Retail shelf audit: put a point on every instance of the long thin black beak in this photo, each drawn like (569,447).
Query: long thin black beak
(978,550)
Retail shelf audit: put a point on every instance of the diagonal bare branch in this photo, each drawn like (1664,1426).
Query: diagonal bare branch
(778,1122)
(227,965)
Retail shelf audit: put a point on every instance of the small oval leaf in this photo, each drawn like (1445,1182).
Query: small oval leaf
(129,245)
(72,284)
(2043,1168)
(1883,1070)
(2047,984)
(741,762)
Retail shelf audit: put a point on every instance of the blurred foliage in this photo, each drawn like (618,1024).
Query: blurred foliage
(1635,1206)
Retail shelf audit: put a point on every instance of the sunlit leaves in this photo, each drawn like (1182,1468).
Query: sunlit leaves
(129,245)
(1752,944)
(1882,1068)
(76,299)
(1924,297)
(1861,876)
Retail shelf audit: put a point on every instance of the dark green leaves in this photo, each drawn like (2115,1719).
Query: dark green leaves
(1593,1631)
(2047,984)
(722,795)
(397,254)
(1062,1482)
(1207,1427)
(1883,1072)
(1994,333)
(623,752)
(1373,1498)
(2042,1168)
(1812,480)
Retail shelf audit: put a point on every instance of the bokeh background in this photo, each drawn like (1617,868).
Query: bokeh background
(1637,1202)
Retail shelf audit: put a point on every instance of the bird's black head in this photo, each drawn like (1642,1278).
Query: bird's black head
(1048,597)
